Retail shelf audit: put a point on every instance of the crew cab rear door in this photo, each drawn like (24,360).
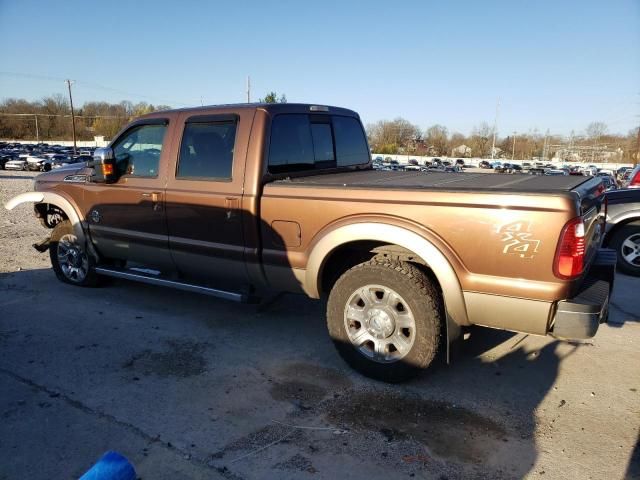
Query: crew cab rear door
(204,197)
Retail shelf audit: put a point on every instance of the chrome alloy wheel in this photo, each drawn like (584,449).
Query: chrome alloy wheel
(379,323)
(630,249)
(73,260)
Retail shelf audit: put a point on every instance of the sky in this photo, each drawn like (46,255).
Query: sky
(552,65)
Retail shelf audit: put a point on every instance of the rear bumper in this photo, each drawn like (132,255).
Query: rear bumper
(579,317)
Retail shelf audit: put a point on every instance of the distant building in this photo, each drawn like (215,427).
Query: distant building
(461,151)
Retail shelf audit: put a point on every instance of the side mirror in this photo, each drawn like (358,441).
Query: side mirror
(104,166)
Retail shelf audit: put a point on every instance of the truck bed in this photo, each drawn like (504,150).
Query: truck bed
(495,182)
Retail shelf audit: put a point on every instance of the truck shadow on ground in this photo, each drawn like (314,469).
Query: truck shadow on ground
(474,418)
(17,177)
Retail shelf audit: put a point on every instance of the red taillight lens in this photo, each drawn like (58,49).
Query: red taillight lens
(635,181)
(569,262)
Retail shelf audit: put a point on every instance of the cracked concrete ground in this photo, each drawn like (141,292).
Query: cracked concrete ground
(193,387)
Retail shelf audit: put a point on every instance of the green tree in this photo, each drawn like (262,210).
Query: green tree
(272,97)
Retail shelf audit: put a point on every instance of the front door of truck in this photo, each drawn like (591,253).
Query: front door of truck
(127,219)
(204,198)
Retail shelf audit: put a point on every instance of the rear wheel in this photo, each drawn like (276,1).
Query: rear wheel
(626,242)
(69,258)
(385,319)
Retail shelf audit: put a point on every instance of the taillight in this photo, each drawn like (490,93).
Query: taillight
(569,261)
(635,181)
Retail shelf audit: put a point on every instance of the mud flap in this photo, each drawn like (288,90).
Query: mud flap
(43,245)
(454,339)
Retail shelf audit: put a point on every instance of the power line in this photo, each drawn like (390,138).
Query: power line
(95,86)
(63,115)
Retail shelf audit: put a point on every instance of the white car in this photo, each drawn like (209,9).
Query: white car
(20,164)
(38,164)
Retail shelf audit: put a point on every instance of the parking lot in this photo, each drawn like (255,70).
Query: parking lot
(189,387)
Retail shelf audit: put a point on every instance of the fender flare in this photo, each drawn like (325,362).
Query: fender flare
(62,203)
(455,306)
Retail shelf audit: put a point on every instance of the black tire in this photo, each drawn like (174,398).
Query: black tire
(64,231)
(629,234)
(422,298)
(46,167)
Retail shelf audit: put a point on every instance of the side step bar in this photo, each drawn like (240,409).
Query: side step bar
(152,280)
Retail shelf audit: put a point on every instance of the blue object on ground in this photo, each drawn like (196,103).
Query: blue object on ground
(112,466)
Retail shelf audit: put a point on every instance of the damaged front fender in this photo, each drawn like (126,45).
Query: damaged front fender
(61,203)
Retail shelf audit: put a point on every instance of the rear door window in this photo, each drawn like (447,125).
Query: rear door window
(206,151)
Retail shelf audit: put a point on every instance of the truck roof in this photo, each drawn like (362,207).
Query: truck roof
(528,184)
(273,108)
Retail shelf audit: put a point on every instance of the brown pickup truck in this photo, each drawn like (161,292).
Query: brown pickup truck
(234,201)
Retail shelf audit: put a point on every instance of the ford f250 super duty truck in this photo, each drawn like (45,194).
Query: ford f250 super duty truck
(237,200)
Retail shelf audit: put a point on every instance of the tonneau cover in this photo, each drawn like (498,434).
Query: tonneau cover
(493,182)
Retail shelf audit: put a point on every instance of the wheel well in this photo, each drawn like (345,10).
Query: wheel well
(618,226)
(353,253)
(49,214)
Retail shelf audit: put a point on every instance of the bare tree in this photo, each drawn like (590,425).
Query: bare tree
(437,139)
(393,136)
(595,130)
(481,140)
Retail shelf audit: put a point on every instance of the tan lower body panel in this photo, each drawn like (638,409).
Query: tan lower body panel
(508,313)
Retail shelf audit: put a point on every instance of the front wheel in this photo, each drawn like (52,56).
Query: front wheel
(385,319)
(626,242)
(69,258)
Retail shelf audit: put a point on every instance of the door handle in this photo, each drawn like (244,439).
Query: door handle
(155,199)
(154,196)
(231,204)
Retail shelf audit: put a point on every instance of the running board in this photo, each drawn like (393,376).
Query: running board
(162,282)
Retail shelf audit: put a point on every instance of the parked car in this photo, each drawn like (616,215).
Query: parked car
(609,182)
(502,167)
(460,162)
(38,164)
(485,164)
(4,159)
(16,164)
(632,179)
(623,228)
(555,171)
(275,219)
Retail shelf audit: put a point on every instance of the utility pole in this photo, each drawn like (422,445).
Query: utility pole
(73,117)
(495,127)
(37,131)
(544,147)
(513,151)
(248,89)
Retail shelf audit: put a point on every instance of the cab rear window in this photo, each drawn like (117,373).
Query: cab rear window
(308,142)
